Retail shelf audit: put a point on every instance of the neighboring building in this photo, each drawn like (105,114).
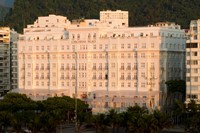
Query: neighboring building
(192,62)
(109,66)
(13,60)
(5,61)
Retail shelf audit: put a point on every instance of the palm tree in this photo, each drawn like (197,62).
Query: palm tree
(113,117)
(162,120)
(100,122)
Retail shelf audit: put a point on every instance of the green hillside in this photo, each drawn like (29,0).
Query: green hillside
(3,12)
(141,12)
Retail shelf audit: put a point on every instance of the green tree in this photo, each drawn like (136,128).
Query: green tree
(114,118)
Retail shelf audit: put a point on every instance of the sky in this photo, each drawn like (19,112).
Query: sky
(7,3)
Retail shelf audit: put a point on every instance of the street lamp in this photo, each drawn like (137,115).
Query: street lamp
(136,56)
(49,71)
(107,76)
(76,87)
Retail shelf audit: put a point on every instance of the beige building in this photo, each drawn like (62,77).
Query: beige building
(109,66)
(192,62)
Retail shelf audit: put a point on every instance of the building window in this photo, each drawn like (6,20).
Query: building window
(100,46)
(142,65)
(122,66)
(94,84)
(195,70)
(122,46)
(129,84)
(106,84)
(29,83)
(135,45)
(94,66)
(113,74)
(129,55)
(30,48)
(62,47)
(113,84)
(37,47)
(142,84)
(143,45)
(113,65)
(152,45)
(73,83)
(94,46)
(142,55)
(129,46)
(122,76)
(100,84)
(195,79)
(78,36)
(122,84)
(143,75)
(152,55)
(135,84)
(122,55)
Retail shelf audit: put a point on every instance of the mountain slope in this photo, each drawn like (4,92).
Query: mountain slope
(3,12)
(141,12)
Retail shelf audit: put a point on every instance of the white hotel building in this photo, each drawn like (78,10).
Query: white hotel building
(107,62)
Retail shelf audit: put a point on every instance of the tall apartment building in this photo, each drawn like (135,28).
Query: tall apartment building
(13,60)
(192,62)
(109,66)
(8,60)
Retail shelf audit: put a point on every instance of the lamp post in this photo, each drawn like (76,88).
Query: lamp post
(136,56)
(24,68)
(107,76)
(49,71)
(76,87)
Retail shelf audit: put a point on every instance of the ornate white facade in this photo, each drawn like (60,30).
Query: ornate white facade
(109,66)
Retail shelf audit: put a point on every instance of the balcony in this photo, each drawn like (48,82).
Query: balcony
(67,78)
(135,68)
(122,68)
(100,68)
(128,78)
(128,68)
(121,78)
(62,78)
(62,68)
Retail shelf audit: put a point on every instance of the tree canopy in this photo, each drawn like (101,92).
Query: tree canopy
(141,12)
